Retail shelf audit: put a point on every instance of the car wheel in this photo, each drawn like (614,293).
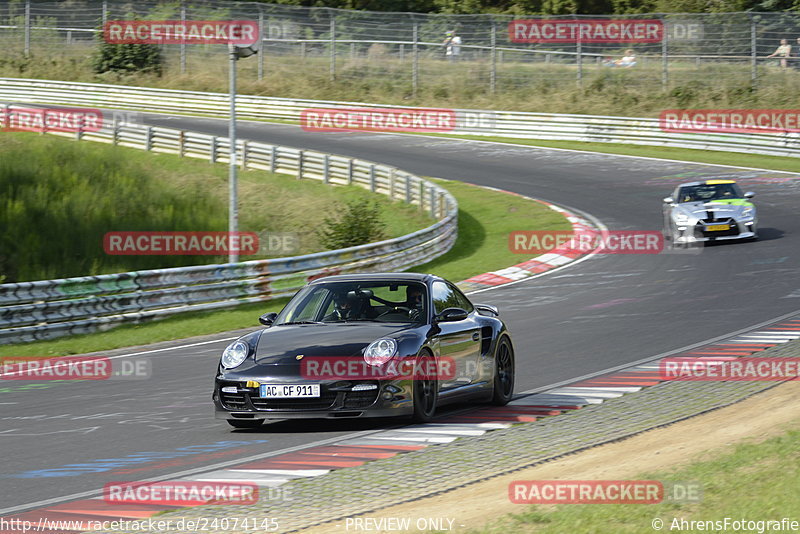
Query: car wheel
(425,390)
(503,372)
(245,423)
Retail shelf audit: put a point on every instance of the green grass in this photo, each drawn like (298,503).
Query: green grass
(177,327)
(736,159)
(485,218)
(752,482)
(381,78)
(60,197)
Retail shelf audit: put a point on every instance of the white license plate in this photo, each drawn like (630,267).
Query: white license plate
(289,391)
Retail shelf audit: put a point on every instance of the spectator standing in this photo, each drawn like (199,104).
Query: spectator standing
(452,46)
(784,51)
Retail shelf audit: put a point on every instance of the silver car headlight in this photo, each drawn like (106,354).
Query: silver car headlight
(234,354)
(748,212)
(681,218)
(380,351)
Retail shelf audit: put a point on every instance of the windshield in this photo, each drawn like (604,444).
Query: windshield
(707,192)
(344,302)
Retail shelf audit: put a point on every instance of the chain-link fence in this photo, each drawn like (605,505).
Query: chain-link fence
(408,50)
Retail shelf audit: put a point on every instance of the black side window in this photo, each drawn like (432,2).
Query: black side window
(463,301)
(447,296)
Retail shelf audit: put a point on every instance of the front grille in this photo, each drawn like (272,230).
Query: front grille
(233,401)
(323,402)
(332,397)
(733,230)
(360,399)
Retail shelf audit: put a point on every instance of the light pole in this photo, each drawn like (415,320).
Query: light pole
(236,52)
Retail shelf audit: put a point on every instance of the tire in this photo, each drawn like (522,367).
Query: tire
(425,391)
(245,423)
(503,372)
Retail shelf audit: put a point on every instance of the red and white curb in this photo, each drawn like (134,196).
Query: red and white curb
(274,471)
(540,264)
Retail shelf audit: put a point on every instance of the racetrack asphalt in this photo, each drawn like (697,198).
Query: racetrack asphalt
(63,438)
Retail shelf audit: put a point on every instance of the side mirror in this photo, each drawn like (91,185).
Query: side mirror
(268,318)
(451,315)
(669,200)
(749,194)
(488,308)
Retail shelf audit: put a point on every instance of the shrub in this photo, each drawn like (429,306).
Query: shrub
(126,58)
(357,224)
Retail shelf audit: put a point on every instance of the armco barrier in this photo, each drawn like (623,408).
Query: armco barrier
(52,308)
(639,131)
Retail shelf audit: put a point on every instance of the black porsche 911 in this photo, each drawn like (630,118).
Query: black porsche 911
(366,345)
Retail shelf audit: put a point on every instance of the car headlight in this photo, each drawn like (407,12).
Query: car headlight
(234,354)
(748,212)
(681,218)
(380,351)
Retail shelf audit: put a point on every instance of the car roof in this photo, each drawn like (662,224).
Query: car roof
(375,277)
(708,182)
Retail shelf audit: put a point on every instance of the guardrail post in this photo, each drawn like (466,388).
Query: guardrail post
(333,46)
(372,177)
(245,153)
(421,195)
(181,142)
(442,205)
(273,158)
(27,49)
(391,183)
(326,162)
(104,13)
(408,189)
(415,62)
(213,149)
(433,202)
(114,128)
(349,171)
(300,165)
(493,73)
(79,131)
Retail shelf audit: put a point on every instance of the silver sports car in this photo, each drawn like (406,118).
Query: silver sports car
(714,210)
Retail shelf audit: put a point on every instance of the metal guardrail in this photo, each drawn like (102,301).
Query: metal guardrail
(52,308)
(588,128)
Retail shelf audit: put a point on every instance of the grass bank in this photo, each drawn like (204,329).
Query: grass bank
(376,77)
(736,159)
(485,218)
(754,482)
(60,197)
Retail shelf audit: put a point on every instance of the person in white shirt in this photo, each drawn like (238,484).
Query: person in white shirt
(452,46)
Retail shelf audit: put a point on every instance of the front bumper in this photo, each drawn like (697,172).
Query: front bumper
(699,232)
(338,399)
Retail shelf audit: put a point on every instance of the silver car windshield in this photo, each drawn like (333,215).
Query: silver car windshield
(708,192)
